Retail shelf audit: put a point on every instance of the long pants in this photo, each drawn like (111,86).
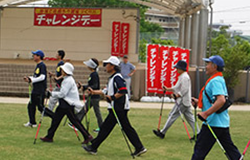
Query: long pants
(37,100)
(65,109)
(52,100)
(128,83)
(92,103)
(108,125)
(174,114)
(206,141)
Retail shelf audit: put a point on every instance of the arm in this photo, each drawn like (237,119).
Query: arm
(215,107)
(37,79)
(65,88)
(131,73)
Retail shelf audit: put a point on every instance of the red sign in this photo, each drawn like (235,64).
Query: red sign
(77,17)
(116,29)
(124,39)
(160,66)
(152,68)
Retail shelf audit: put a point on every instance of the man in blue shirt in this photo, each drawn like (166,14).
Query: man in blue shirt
(216,90)
(39,82)
(127,70)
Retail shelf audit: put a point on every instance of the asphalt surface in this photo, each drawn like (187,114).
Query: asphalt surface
(133,104)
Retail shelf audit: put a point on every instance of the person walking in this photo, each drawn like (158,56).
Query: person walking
(57,78)
(116,95)
(127,70)
(93,100)
(68,100)
(182,92)
(215,89)
(39,83)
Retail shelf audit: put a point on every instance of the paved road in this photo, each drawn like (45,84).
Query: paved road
(243,107)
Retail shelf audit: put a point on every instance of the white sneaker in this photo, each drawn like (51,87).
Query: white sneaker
(28,124)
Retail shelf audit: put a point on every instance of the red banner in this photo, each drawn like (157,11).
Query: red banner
(164,65)
(152,68)
(184,55)
(74,17)
(116,29)
(124,39)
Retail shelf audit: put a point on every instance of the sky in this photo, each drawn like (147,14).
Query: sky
(234,12)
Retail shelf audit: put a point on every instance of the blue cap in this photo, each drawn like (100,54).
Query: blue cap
(39,53)
(216,60)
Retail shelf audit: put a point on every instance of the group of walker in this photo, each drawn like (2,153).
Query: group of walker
(117,94)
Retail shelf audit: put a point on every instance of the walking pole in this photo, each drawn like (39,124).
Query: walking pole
(122,131)
(243,154)
(196,122)
(217,140)
(159,123)
(30,90)
(40,122)
(87,114)
(76,133)
(182,118)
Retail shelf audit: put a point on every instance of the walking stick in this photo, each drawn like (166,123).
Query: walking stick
(196,122)
(30,90)
(40,122)
(87,114)
(243,154)
(117,119)
(159,123)
(217,140)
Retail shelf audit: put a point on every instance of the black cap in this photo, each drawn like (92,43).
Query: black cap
(181,65)
(125,56)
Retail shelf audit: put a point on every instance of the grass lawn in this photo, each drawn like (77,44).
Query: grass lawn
(16,141)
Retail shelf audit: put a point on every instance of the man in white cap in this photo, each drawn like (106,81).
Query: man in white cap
(68,100)
(117,97)
(93,100)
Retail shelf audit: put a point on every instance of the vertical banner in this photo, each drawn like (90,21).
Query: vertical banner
(164,66)
(184,55)
(174,58)
(124,39)
(115,44)
(152,68)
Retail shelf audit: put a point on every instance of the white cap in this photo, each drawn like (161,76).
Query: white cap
(68,68)
(90,63)
(113,60)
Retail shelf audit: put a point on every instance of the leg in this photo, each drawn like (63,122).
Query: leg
(72,117)
(187,112)
(173,115)
(203,144)
(84,111)
(32,109)
(59,114)
(95,103)
(129,130)
(105,130)
(228,144)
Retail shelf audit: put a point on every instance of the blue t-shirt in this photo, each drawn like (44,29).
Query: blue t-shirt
(126,68)
(40,87)
(216,86)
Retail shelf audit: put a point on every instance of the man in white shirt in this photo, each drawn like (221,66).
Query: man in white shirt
(182,91)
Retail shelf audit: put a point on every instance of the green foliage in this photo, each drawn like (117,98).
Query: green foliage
(236,54)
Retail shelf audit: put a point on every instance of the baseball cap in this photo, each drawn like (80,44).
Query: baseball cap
(216,60)
(39,53)
(112,60)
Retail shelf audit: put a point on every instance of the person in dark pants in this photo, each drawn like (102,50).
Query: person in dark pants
(68,99)
(57,77)
(93,100)
(116,95)
(39,82)
(216,90)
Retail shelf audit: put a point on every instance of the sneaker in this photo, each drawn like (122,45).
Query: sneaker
(159,134)
(90,150)
(86,141)
(45,139)
(28,124)
(71,126)
(139,152)
(96,130)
